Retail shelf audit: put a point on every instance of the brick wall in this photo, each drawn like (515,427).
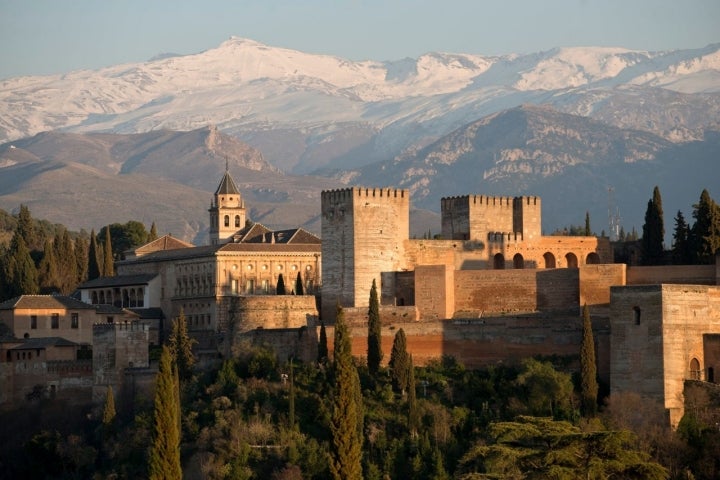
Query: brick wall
(686,274)
(711,352)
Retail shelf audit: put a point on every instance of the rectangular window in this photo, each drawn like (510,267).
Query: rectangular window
(250,286)
(74,320)
(266,286)
(110,319)
(33,321)
(55,322)
(234,286)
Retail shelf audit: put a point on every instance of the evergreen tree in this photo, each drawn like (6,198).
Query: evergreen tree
(109,410)
(653,231)
(413,412)
(280,289)
(681,242)
(291,399)
(67,265)
(81,263)
(588,230)
(108,261)
(346,416)
(399,360)
(299,285)
(48,270)
(374,352)
(93,265)
(588,368)
(22,276)
(180,345)
(164,462)
(706,230)
(322,344)
(26,229)
(153,235)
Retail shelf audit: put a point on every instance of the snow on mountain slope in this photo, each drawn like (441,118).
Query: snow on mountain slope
(243,84)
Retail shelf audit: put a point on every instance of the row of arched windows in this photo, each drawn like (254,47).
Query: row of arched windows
(571,260)
(237,221)
(126,297)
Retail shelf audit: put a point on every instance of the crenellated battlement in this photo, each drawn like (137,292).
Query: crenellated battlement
(488,200)
(505,237)
(363,193)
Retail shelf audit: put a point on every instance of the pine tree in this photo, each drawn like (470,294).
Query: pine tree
(164,462)
(280,289)
(588,230)
(705,233)
(299,285)
(588,368)
(180,345)
(93,265)
(108,264)
(346,416)
(374,352)
(322,345)
(153,235)
(653,231)
(48,270)
(109,410)
(681,242)
(398,364)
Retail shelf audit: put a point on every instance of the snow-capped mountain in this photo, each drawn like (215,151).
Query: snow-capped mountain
(308,112)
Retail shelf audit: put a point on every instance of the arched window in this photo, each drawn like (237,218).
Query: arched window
(518,261)
(592,259)
(695,372)
(227,220)
(237,221)
(571,260)
(549,260)
(498,261)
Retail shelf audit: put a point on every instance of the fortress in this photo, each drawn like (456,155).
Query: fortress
(491,288)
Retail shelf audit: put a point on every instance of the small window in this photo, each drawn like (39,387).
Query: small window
(110,320)
(33,322)
(636,315)
(55,322)
(227,220)
(237,221)
(74,320)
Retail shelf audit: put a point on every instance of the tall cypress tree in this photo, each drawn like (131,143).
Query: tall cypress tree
(93,265)
(399,360)
(299,285)
(374,352)
(67,266)
(322,344)
(164,462)
(153,235)
(413,413)
(346,416)
(280,288)
(81,258)
(653,231)
(588,368)
(180,345)
(705,233)
(588,230)
(26,229)
(109,409)
(681,241)
(48,270)
(108,264)
(22,276)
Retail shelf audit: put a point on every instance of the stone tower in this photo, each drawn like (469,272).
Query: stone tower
(363,235)
(227,211)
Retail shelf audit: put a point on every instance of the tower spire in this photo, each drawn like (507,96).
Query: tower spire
(227,169)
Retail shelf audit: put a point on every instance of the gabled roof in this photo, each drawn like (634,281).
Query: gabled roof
(227,186)
(44,301)
(258,233)
(166,242)
(119,281)
(44,342)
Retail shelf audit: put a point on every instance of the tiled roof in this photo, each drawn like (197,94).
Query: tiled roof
(227,186)
(258,233)
(108,309)
(44,342)
(43,301)
(148,313)
(270,248)
(177,254)
(119,281)
(166,242)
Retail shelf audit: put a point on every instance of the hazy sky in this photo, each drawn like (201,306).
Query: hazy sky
(55,36)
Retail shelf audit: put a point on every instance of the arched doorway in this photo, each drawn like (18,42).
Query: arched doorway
(498,261)
(571,260)
(695,372)
(518,261)
(711,375)
(592,259)
(549,260)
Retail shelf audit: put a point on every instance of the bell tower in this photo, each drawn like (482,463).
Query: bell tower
(227,211)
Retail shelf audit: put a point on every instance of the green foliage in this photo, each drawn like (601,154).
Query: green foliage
(153,235)
(681,252)
(21,276)
(347,412)
(280,288)
(123,237)
(48,270)
(374,352)
(109,409)
(653,231)
(588,368)
(399,362)
(588,230)
(180,345)
(164,462)
(108,269)
(299,285)
(705,233)
(93,266)
(545,391)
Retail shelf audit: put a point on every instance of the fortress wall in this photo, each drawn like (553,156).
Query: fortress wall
(472,217)
(272,311)
(516,290)
(435,291)
(595,283)
(711,351)
(685,274)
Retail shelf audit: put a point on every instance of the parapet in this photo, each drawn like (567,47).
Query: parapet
(488,200)
(365,193)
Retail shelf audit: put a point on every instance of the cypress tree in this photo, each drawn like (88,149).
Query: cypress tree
(299,285)
(93,265)
(280,289)
(653,231)
(180,345)
(164,462)
(322,345)
(67,266)
(22,275)
(108,264)
(681,242)
(109,410)
(81,263)
(26,229)
(48,270)
(588,230)
(346,416)
(398,364)
(588,368)
(374,352)
(413,413)
(153,235)
(705,232)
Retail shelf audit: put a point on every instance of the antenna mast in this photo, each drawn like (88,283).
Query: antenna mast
(613,216)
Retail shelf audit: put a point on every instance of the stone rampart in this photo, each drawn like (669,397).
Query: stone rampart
(595,283)
(685,274)
(273,311)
